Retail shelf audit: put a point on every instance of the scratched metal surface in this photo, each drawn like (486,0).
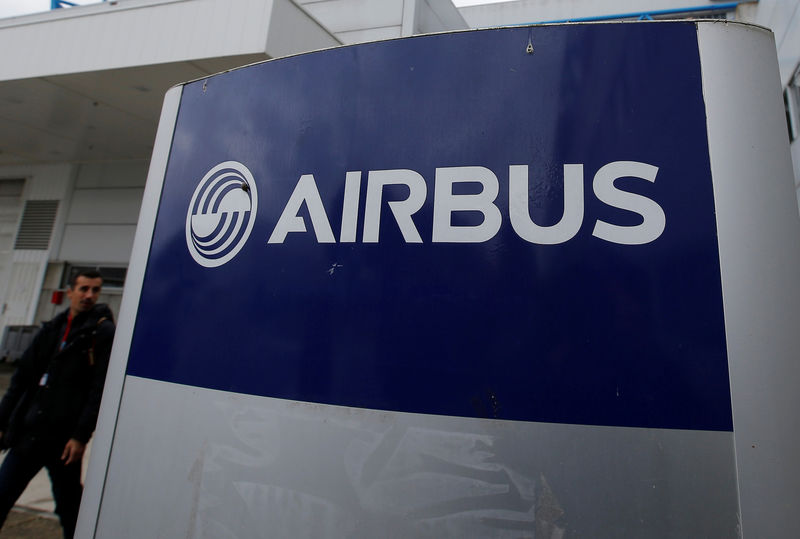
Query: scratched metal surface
(221,465)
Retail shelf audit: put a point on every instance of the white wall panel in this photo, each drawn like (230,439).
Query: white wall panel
(98,244)
(47,182)
(125,174)
(759,12)
(777,15)
(346,15)
(783,18)
(22,292)
(293,31)
(357,21)
(102,213)
(105,206)
(437,16)
(23,284)
(427,19)
(10,210)
(370,34)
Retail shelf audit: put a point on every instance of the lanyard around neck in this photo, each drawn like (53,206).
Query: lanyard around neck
(66,332)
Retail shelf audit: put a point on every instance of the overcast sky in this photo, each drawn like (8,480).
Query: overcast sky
(10,8)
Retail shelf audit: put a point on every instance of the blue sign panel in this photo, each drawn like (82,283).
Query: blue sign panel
(449,224)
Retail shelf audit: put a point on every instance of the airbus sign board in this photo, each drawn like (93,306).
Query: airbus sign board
(488,240)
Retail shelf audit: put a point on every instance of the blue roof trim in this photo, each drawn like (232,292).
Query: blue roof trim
(649,15)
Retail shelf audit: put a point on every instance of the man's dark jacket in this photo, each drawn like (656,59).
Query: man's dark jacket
(39,410)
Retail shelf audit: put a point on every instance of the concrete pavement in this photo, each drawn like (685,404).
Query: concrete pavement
(22,524)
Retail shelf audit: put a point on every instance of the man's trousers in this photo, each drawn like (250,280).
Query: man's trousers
(19,467)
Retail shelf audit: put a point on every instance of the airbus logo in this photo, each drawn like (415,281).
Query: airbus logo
(223,208)
(221,214)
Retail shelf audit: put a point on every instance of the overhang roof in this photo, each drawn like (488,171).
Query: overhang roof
(88,82)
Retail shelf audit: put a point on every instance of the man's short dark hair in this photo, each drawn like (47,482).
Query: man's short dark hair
(89,274)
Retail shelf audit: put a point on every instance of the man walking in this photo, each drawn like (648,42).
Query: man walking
(50,409)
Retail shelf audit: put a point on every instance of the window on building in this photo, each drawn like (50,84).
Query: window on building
(791,103)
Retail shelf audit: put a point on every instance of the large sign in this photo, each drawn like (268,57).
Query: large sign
(448,225)
(465,284)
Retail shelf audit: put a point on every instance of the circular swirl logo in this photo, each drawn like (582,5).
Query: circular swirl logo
(221,214)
